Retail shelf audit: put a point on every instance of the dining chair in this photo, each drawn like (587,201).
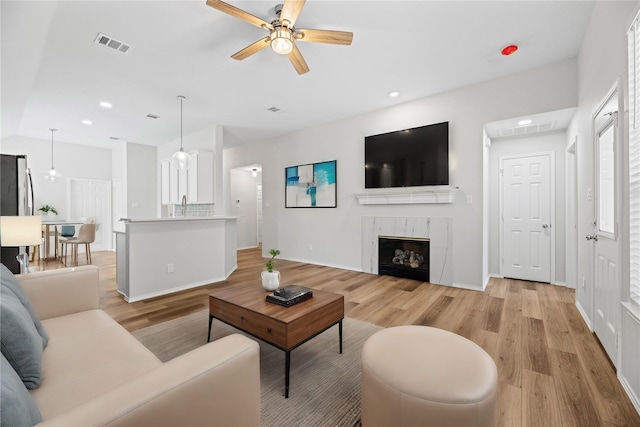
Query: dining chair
(86,236)
(66,231)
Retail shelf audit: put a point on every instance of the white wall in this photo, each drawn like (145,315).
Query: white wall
(554,142)
(72,160)
(142,193)
(243,204)
(335,234)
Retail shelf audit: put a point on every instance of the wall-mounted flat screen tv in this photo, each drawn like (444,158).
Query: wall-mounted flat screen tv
(408,158)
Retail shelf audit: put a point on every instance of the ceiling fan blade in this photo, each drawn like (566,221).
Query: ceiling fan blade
(251,49)
(291,10)
(324,36)
(298,61)
(238,13)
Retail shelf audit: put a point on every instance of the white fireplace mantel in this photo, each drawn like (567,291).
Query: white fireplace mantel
(405,196)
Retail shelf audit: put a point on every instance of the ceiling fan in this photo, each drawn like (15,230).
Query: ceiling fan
(282,32)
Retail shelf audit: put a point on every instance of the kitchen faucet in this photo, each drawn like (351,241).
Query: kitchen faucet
(184,205)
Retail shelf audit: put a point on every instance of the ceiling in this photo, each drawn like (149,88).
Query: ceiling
(54,75)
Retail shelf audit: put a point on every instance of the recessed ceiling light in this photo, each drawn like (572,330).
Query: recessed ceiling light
(87,122)
(525,122)
(394,93)
(509,50)
(105,104)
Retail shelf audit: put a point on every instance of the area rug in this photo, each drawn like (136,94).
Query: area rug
(325,385)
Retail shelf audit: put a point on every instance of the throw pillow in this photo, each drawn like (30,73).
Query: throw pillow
(16,404)
(19,340)
(8,280)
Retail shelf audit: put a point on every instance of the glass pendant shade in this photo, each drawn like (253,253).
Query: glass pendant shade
(181,160)
(52,174)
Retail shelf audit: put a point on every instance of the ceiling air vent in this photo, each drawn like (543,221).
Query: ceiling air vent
(114,138)
(527,129)
(274,109)
(112,43)
(152,116)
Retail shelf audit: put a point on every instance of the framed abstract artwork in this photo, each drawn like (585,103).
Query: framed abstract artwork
(311,186)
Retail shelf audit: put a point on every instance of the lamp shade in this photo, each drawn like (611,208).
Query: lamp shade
(20,230)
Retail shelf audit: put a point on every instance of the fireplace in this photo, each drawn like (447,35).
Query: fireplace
(406,257)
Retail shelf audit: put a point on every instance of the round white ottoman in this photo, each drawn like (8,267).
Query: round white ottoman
(423,376)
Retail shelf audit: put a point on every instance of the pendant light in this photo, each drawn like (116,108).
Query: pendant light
(53,174)
(181,159)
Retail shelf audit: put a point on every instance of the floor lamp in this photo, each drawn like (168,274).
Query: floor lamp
(16,231)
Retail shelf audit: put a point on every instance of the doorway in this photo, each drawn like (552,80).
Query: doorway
(605,236)
(245,194)
(527,207)
(89,198)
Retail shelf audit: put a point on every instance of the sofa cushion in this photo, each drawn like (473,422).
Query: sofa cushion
(20,342)
(16,404)
(9,281)
(88,354)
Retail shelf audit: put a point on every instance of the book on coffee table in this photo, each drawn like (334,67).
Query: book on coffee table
(290,295)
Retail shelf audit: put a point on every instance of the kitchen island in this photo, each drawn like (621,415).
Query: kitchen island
(158,256)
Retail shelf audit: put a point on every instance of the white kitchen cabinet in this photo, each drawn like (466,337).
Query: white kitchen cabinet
(200,177)
(196,182)
(168,183)
(164,182)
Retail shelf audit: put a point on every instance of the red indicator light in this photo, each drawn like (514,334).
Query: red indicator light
(511,49)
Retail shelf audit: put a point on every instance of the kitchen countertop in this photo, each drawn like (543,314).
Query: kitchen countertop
(179,219)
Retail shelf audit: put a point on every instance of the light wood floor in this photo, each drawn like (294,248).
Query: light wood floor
(552,370)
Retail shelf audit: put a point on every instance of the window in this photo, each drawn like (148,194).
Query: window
(634,158)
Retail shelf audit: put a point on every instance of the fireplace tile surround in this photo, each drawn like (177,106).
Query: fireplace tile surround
(438,229)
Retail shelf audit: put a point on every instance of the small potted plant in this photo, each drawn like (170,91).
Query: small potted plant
(48,210)
(271,277)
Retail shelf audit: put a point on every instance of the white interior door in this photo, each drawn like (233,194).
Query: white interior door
(259,217)
(526,209)
(607,277)
(92,199)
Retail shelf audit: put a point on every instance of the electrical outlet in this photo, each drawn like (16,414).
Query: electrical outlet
(169,268)
(310,247)
(584,283)
(469,199)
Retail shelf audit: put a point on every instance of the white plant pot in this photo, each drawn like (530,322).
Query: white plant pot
(270,281)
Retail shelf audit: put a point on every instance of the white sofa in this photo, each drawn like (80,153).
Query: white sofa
(95,373)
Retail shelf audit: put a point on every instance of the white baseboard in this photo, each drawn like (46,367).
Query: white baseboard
(627,388)
(584,316)
(181,288)
(465,286)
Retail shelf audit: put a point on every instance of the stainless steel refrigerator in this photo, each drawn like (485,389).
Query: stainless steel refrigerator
(16,198)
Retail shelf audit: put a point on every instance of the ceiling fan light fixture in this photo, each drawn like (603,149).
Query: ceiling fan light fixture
(281,41)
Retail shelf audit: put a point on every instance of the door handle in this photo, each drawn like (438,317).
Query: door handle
(545,226)
(592,237)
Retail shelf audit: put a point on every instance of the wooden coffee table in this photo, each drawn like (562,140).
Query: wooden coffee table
(245,307)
